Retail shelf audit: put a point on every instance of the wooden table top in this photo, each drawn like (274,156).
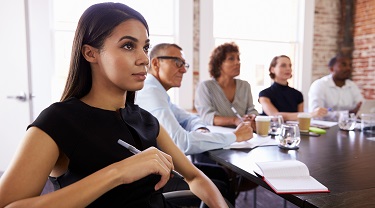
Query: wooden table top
(344,161)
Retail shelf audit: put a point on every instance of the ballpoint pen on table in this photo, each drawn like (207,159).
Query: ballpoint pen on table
(135,151)
(235,112)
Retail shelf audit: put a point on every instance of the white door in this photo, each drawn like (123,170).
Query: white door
(14,112)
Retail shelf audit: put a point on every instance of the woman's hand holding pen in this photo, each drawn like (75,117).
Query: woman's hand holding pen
(243,132)
(149,161)
(245,118)
(251,118)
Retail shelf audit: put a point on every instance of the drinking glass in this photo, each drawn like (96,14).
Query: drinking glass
(289,137)
(368,124)
(347,121)
(275,125)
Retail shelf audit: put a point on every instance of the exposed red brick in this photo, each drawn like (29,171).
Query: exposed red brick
(327,39)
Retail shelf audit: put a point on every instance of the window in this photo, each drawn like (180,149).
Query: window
(262,29)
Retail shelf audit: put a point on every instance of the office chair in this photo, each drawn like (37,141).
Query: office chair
(237,183)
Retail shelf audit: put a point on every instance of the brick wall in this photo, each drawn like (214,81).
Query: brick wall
(364,47)
(328,33)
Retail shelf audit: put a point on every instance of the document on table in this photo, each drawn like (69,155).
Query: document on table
(220,129)
(256,141)
(323,123)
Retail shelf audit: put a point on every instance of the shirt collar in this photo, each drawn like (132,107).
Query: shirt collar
(331,83)
(151,79)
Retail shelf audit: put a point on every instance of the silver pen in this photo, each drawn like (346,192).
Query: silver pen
(238,115)
(135,151)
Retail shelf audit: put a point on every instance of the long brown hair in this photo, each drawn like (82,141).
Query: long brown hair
(94,26)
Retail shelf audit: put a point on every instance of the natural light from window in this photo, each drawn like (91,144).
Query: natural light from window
(263,30)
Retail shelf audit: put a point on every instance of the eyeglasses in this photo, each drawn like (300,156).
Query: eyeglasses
(179,62)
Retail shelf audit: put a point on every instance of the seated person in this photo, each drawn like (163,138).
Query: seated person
(75,141)
(336,91)
(279,98)
(187,130)
(215,98)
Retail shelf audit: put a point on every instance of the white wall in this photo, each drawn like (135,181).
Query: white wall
(207,42)
(306,36)
(41,53)
(184,38)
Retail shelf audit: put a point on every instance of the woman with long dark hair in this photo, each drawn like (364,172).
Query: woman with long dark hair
(75,142)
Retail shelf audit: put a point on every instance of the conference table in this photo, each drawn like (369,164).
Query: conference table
(343,161)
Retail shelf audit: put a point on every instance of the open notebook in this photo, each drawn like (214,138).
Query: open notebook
(289,177)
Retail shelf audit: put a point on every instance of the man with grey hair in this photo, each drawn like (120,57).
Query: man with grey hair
(167,67)
(166,70)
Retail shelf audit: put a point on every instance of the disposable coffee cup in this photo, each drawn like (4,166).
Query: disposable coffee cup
(304,120)
(262,125)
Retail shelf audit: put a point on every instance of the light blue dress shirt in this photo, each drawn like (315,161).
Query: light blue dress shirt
(179,123)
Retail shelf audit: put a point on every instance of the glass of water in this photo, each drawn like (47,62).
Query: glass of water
(275,125)
(289,137)
(368,124)
(347,121)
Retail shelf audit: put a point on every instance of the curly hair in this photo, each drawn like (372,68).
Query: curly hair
(274,63)
(218,56)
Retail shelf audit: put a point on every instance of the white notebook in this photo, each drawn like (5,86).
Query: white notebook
(289,177)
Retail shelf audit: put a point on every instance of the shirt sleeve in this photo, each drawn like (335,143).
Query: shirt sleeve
(358,97)
(203,104)
(188,121)
(264,93)
(190,142)
(316,96)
